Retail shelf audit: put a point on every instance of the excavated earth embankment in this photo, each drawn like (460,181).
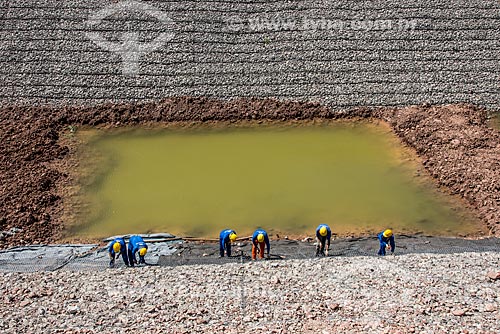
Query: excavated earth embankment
(457,147)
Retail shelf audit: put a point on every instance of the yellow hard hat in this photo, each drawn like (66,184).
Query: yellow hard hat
(117,247)
(143,251)
(260,237)
(388,233)
(322,231)
(233,237)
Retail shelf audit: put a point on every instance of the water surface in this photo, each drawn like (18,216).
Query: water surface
(286,179)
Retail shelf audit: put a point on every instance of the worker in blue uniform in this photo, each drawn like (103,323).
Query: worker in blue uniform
(259,240)
(323,237)
(137,245)
(386,238)
(226,237)
(116,248)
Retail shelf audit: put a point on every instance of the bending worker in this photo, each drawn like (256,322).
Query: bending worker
(226,237)
(260,239)
(386,238)
(137,244)
(323,236)
(116,248)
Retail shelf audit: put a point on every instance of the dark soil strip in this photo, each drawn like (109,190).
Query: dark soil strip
(459,150)
(208,253)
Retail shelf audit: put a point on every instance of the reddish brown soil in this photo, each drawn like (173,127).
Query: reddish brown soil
(459,150)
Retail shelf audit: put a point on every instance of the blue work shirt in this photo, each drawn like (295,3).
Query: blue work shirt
(384,241)
(123,249)
(266,239)
(328,233)
(224,241)
(134,244)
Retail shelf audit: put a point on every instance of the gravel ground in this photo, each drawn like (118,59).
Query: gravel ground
(340,53)
(424,293)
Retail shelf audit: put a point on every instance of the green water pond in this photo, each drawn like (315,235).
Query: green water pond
(287,179)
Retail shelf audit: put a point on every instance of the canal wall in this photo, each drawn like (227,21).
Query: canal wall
(342,54)
(98,63)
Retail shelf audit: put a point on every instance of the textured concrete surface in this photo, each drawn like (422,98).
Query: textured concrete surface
(341,53)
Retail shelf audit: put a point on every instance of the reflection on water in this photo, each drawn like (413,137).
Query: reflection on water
(284,179)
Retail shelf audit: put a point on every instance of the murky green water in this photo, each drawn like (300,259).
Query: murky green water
(284,179)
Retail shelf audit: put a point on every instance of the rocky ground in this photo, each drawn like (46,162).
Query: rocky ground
(460,151)
(422,293)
